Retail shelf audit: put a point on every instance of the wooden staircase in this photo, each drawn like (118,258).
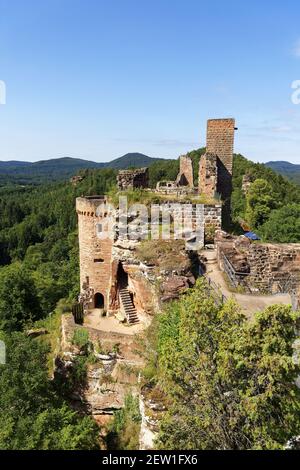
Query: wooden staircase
(129,308)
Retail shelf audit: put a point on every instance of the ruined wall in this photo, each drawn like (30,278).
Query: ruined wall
(186,175)
(95,255)
(272,265)
(212,218)
(130,179)
(209,219)
(268,267)
(208,174)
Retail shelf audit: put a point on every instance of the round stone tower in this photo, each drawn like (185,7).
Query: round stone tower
(95,251)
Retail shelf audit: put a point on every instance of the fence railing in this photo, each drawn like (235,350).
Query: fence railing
(213,290)
(236,278)
(285,284)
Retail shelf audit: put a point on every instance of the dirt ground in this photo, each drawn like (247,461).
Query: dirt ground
(110,324)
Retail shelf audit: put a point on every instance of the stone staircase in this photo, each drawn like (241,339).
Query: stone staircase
(129,308)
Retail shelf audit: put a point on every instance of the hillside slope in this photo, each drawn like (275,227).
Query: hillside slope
(287,169)
(63,168)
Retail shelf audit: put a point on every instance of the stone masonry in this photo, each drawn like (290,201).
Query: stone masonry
(95,254)
(186,175)
(208,175)
(219,142)
(101,257)
(268,267)
(274,266)
(130,179)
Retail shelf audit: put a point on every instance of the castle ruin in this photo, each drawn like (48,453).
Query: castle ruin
(108,271)
(133,179)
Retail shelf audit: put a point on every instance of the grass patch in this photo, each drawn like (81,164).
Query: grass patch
(53,325)
(125,429)
(148,197)
(168,255)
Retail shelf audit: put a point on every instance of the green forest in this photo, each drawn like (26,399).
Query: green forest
(39,279)
(225,382)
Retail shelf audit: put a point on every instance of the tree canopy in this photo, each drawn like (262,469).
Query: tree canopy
(32,413)
(230,383)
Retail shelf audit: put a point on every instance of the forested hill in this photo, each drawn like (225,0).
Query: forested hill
(63,168)
(287,169)
(40,218)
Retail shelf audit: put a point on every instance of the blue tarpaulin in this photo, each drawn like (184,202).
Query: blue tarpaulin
(252,236)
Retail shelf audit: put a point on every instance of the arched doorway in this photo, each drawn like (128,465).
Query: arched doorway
(99,300)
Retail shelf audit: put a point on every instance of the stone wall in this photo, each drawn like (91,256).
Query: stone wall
(130,179)
(186,175)
(272,266)
(208,174)
(212,217)
(206,217)
(246,183)
(268,267)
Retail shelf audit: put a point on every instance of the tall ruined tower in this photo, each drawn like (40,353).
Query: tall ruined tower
(220,142)
(215,168)
(95,253)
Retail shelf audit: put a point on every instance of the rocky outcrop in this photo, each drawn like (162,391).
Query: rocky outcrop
(112,374)
(174,286)
(152,407)
(34,333)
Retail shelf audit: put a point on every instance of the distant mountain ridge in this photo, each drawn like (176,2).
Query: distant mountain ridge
(65,167)
(290,170)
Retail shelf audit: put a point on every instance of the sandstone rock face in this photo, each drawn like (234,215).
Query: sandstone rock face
(174,286)
(147,433)
(152,408)
(114,374)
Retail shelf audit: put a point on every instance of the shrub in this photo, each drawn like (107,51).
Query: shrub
(80,338)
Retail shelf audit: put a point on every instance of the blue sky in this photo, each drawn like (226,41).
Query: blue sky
(99,78)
